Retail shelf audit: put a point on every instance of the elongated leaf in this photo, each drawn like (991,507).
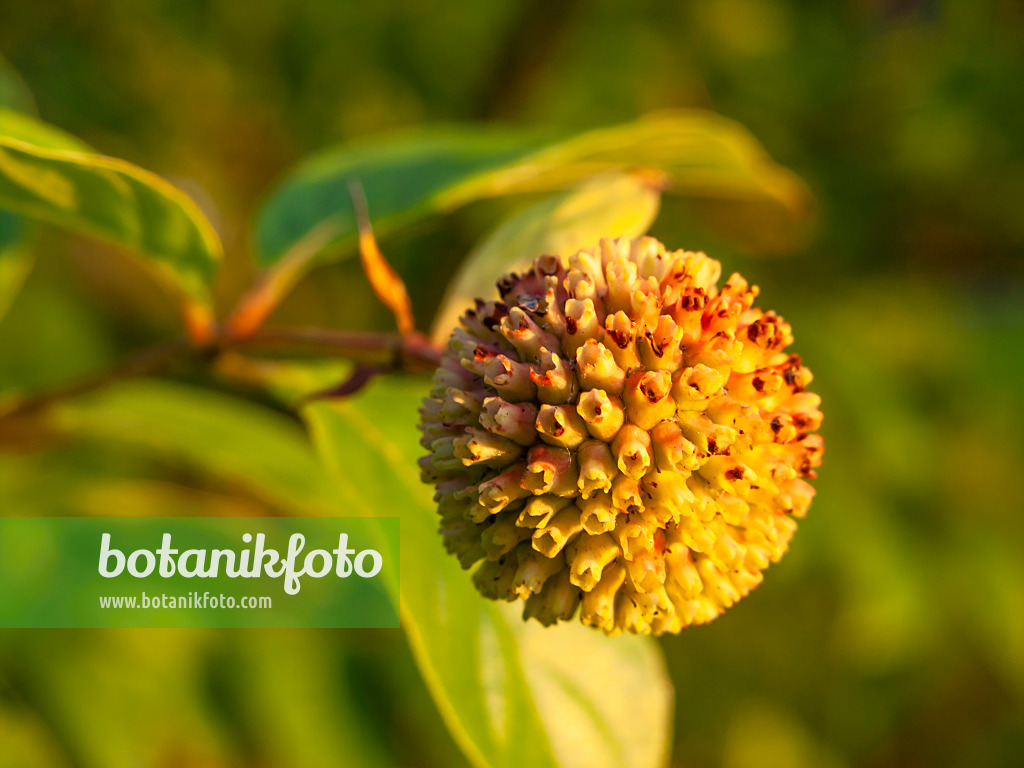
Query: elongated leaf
(259,450)
(29,741)
(115,201)
(404,178)
(15,260)
(319,726)
(17,125)
(16,256)
(612,205)
(512,694)
(265,456)
(14,94)
(309,221)
(137,697)
(595,729)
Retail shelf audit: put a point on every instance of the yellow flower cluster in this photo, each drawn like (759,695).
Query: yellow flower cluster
(620,437)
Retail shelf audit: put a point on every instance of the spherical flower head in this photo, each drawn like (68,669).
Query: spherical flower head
(620,437)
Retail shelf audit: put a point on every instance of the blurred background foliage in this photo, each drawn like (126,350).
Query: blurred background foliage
(893,632)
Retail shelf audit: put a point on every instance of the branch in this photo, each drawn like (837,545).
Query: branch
(385,352)
(147,362)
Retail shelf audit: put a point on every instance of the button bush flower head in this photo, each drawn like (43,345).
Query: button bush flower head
(621,438)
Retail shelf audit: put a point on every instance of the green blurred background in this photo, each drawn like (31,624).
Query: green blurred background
(893,632)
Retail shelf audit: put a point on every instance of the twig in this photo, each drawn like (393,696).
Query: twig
(384,352)
(368,348)
(149,361)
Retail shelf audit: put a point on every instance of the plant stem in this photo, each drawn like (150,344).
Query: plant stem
(149,361)
(368,348)
(411,353)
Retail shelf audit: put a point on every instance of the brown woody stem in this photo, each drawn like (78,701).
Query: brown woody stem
(411,353)
(149,361)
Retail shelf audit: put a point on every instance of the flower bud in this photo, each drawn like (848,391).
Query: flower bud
(525,335)
(693,388)
(598,608)
(551,538)
(557,601)
(708,437)
(501,490)
(672,451)
(516,421)
(509,378)
(589,556)
(626,494)
(539,510)
(534,570)
(554,379)
(602,415)
(551,470)
(581,324)
(633,534)
(494,578)
(597,467)
(596,368)
(660,347)
(478,446)
(648,398)
(620,338)
(561,425)
(632,451)
(756,385)
(621,274)
(646,570)
(482,318)
(645,303)
(598,513)
(501,537)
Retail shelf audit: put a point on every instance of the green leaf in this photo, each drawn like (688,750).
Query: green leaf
(512,694)
(14,94)
(261,452)
(593,729)
(113,200)
(15,260)
(319,726)
(138,696)
(262,456)
(613,205)
(405,178)
(12,230)
(29,741)
(17,125)
(16,257)
(410,177)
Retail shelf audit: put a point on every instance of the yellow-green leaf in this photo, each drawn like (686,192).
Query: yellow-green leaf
(17,125)
(512,694)
(115,201)
(594,732)
(14,94)
(611,205)
(16,256)
(15,264)
(309,221)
